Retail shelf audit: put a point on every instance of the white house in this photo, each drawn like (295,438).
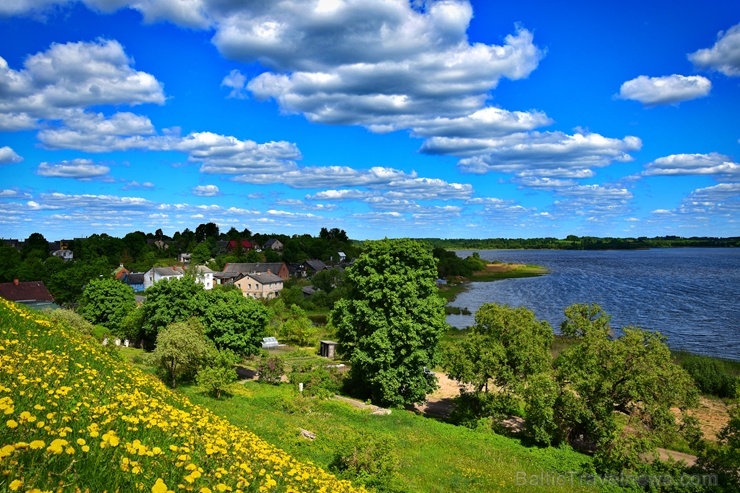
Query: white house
(63,254)
(204,276)
(260,285)
(156,274)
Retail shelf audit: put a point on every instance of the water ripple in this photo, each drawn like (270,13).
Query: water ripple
(690,294)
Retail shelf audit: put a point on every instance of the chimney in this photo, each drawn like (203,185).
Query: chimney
(15,281)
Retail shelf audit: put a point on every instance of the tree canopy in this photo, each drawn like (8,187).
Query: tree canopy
(182,349)
(602,377)
(505,348)
(233,321)
(107,302)
(169,301)
(391,322)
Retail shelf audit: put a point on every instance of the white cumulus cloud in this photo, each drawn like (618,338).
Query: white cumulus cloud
(9,156)
(69,76)
(665,90)
(724,56)
(206,190)
(80,169)
(237,82)
(693,164)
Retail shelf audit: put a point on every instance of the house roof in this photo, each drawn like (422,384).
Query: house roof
(134,278)
(265,277)
(316,265)
(25,291)
(246,268)
(271,242)
(168,271)
(245,244)
(202,269)
(308,290)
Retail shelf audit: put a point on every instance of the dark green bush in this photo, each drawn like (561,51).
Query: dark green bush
(367,459)
(712,376)
(317,379)
(271,369)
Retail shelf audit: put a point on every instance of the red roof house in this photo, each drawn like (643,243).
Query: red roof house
(25,292)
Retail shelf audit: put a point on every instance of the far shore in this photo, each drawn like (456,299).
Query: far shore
(494,271)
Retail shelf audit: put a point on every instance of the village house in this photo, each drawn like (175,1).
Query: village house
(232,271)
(156,274)
(204,276)
(29,293)
(63,254)
(246,245)
(314,266)
(273,244)
(264,285)
(135,280)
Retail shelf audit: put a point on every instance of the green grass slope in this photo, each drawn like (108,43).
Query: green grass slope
(433,456)
(75,417)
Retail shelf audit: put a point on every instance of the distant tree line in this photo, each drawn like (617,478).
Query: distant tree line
(572,242)
(96,256)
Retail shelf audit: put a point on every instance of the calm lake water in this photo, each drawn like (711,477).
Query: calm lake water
(691,295)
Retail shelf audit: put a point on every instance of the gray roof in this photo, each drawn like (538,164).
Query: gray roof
(316,265)
(168,271)
(265,277)
(135,278)
(248,268)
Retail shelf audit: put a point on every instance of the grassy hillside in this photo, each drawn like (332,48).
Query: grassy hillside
(76,417)
(433,456)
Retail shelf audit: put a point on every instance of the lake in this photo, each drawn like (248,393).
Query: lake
(691,295)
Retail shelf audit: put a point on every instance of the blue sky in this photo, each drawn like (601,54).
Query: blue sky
(382,118)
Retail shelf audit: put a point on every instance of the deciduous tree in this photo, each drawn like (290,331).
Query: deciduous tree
(602,377)
(167,302)
(107,302)
(391,322)
(233,321)
(505,348)
(182,349)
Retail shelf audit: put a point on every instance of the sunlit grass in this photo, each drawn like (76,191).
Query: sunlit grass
(76,417)
(434,456)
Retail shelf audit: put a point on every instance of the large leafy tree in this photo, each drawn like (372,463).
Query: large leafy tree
(391,322)
(68,283)
(35,246)
(167,302)
(107,302)
(505,348)
(233,321)
(182,349)
(617,392)
(10,259)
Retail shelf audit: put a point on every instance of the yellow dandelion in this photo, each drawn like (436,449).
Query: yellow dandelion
(15,485)
(11,423)
(159,486)
(37,444)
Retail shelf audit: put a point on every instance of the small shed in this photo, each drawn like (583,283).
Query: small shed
(328,349)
